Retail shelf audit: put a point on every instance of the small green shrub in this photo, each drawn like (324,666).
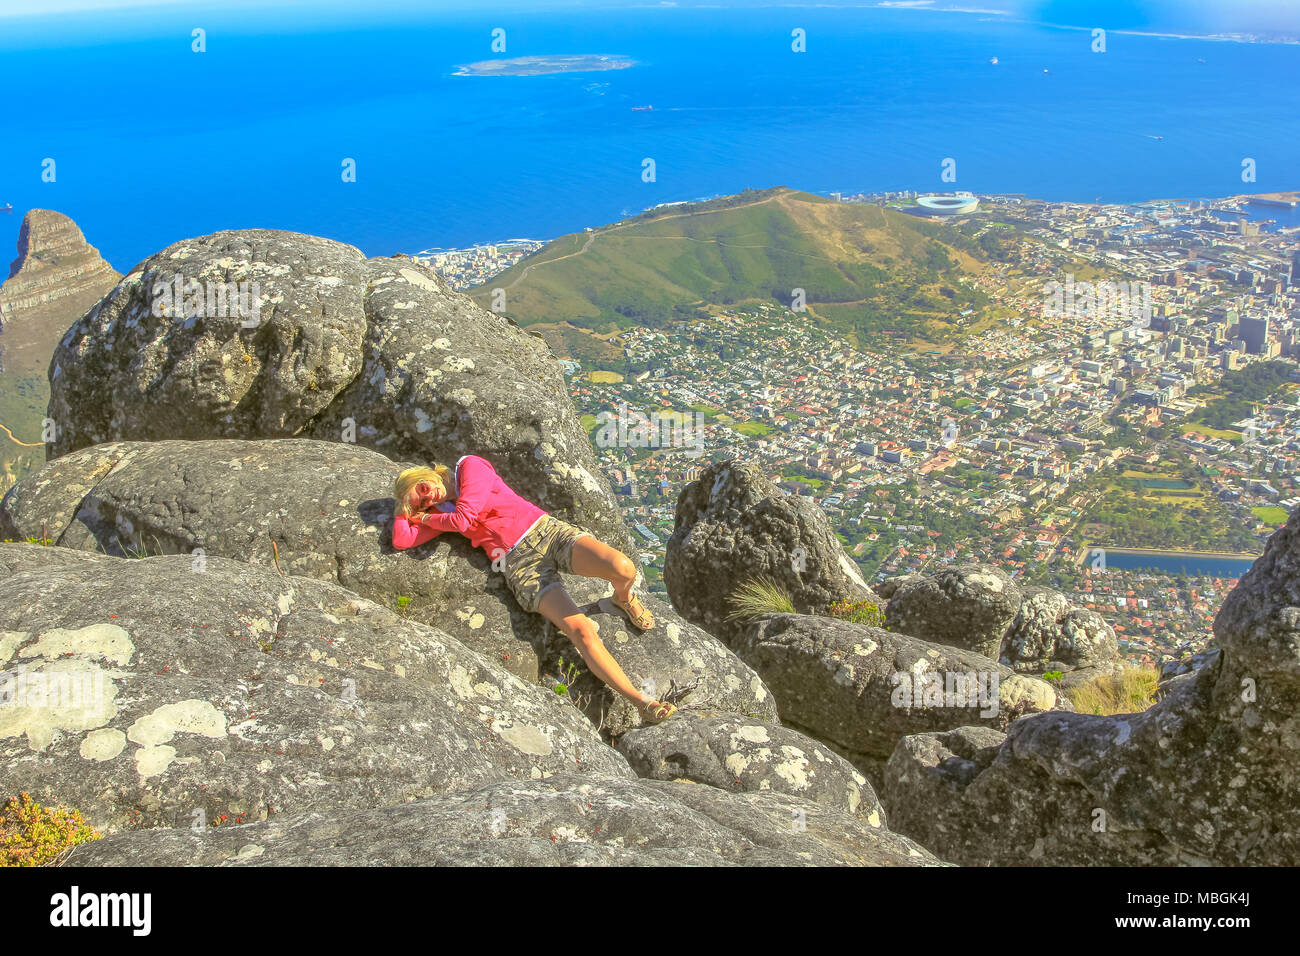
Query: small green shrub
(568,674)
(33,835)
(859,612)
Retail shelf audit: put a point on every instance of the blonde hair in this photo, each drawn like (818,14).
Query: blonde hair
(438,474)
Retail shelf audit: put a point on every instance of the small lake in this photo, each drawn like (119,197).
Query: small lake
(1173,562)
(1171,484)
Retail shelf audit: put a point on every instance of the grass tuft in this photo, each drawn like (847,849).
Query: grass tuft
(759,596)
(1129,692)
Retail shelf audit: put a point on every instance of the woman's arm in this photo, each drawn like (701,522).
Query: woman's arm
(476,478)
(408,533)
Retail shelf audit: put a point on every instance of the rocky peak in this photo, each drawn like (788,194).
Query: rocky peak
(54,262)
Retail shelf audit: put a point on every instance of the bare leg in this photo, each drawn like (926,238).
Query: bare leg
(560,610)
(595,559)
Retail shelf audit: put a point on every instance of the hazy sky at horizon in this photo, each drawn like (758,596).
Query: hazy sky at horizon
(1191,15)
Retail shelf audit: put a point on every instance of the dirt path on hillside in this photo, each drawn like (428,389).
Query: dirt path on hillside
(29,444)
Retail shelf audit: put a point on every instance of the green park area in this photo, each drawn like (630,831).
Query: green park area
(1168,505)
(1227,434)
(1271,515)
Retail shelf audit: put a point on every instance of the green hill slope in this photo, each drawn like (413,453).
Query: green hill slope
(864,269)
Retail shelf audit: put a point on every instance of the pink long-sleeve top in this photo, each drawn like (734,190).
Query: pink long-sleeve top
(487,511)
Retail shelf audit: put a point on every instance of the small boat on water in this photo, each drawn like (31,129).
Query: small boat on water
(7,207)
(642,108)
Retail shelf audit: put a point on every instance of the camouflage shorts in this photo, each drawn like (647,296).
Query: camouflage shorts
(534,564)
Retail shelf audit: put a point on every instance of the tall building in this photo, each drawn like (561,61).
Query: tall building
(1254,332)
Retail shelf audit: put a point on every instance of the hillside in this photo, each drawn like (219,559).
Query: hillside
(866,270)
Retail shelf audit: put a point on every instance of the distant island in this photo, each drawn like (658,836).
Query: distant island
(538,65)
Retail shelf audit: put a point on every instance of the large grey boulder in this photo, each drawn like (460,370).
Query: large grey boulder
(860,689)
(993,799)
(738,753)
(337,347)
(1050,633)
(733,526)
(1177,671)
(566,820)
(145,691)
(969,606)
(885,589)
(326,507)
(318,509)
(1206,775)
(967,791)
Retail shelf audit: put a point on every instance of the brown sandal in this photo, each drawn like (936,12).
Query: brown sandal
(636,612)
(655,711)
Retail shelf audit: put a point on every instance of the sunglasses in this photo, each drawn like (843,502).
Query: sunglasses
(425,491)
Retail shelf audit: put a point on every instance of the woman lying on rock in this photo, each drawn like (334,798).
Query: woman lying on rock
(535,546)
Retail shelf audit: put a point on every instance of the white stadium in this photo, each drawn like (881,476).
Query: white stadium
(947,205)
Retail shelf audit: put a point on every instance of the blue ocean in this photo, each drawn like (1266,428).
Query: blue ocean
(153,143)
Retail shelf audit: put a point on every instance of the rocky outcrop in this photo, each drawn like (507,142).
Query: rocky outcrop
(233,692)
(564,820)
(885,589)
(324,510)
(1207,775)
(860,689)
(322,342)
(1049,633)
(146,692)
(741,754)
(54,263)
(1028,628)
(318,509)
(1175,672)
(733,526)
(221,713)
(969,606)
